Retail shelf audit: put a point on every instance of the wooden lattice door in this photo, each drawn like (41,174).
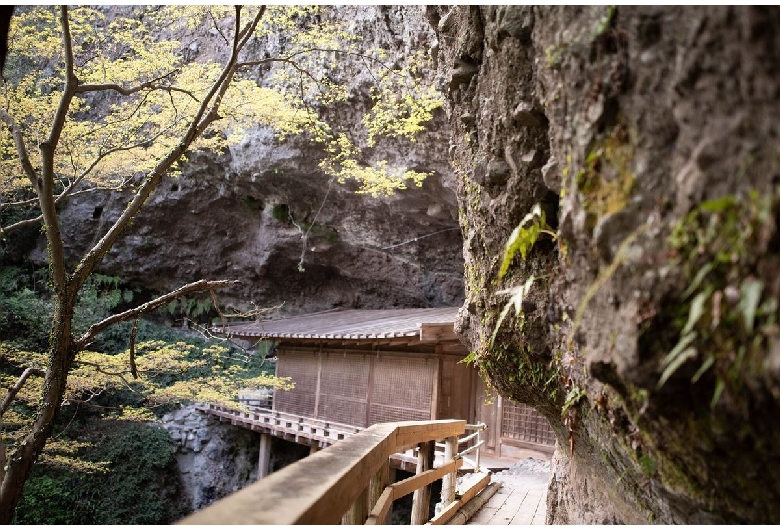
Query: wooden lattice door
(523,423)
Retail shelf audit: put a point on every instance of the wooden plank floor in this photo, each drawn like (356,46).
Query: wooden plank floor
(522,499)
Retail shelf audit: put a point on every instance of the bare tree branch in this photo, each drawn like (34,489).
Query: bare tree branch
(133,333)
(9,397)
(130,314)
(71,82)
(19,204)
(254,313)
(35,220)
(216,26)
(20,224)
(47,149)
(128,91)
(292,63)
(236,36)
(68,191)
(218,310)
(21,148)
(153,84)
(109,123)
(343,52)
(305,236)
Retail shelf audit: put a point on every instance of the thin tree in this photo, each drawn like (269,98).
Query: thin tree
(66,284)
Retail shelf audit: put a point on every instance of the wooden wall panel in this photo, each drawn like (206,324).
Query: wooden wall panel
(401,389)
(456,396)
(344,389)
(364,388)
(302,369)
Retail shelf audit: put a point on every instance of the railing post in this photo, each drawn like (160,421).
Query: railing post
(358,512)
(377,486)
(476,457)
(421,499)
(448,480)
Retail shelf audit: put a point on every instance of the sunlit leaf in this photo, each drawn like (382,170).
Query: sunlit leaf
(523,237)
(748,302)
(703,272)
(697,310)
(706,365)
(679,359)
(685,341)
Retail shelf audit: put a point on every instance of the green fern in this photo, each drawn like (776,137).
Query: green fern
(519,292)
(524,236)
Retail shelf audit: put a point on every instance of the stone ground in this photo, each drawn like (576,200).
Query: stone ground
(522,498)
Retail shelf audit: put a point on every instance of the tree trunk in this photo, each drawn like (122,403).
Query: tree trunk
(62,352)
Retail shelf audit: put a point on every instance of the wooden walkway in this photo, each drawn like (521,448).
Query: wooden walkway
(522,499)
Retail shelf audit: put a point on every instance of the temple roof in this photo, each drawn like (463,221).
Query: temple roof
(434,325)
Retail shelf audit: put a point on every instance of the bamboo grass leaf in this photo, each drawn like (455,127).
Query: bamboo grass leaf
(748,302)
(688,353)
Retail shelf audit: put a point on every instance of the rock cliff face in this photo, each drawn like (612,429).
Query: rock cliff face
(649,336)
(215,459)
(241,215)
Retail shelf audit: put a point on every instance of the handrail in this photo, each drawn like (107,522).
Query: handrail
(325,432)
(257,412)
(477,428)
(323,487)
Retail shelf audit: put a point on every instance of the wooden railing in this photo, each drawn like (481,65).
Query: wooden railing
(348,481)
(301,429)
(471,447)
(281,424)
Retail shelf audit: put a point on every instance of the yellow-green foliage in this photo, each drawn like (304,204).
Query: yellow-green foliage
(524,236)
(134,131)
(162,369)
(108,137)
(607,179)
(342,163)
(402,103)
(167,373)
(402,106)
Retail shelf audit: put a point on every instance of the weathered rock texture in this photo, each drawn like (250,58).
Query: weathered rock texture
(237,216)
(215,459)
(649,136)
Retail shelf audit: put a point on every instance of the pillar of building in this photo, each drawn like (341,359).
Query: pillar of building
(264,460)
(313,449)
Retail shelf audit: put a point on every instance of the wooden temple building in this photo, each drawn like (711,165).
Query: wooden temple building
(355,368)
